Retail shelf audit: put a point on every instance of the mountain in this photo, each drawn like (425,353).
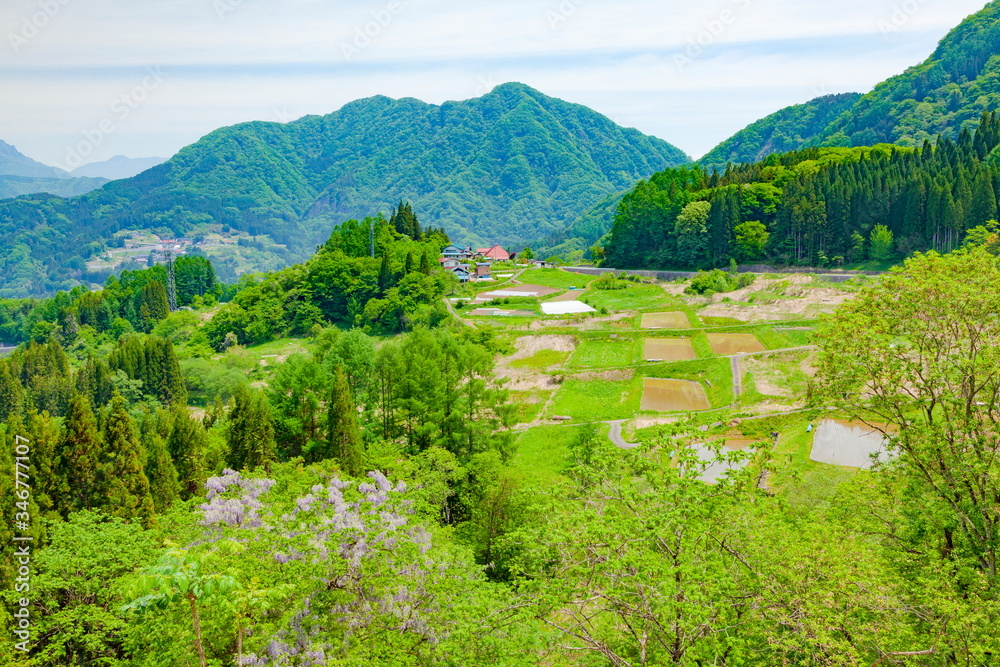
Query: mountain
(14,163)
(508,167)
(15,186)
(943,95)
(787,130)
(117,167)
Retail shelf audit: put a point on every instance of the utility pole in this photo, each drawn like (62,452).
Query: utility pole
(171,282)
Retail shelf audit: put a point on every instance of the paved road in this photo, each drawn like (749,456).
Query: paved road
(734,361)
(616,435)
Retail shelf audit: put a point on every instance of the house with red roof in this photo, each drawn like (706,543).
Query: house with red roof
(496,253)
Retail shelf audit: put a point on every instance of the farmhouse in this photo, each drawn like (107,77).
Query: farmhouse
(496,253)
(456,252)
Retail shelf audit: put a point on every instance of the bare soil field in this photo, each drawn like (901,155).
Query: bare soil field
(673,396)
(669,349)
(676,320)
(730,344)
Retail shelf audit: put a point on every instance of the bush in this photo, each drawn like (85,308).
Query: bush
(717,281)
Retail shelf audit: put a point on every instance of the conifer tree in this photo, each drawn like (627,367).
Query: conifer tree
(153,305)
(408,264)
(11,393)
(124,486)
(164,486)
(44,433)
(425,265)
(384,274)
(79,458)
(343,432)
(186,446)
(251,430)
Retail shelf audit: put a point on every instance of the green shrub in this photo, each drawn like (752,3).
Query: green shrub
(717,281)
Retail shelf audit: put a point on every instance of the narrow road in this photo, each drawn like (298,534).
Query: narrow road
(616,435)
(734,361)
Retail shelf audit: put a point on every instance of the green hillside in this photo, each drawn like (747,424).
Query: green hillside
(821,207)
(15,186)
(787,130)
(511,166)
(942,95)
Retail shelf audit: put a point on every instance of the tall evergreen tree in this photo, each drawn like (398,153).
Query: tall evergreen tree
(343,431)
(79,459)
(124,487)
(384,274)
(11,393)
(186,446)
(251,430)
(164,486)
(153,305)
(425,265)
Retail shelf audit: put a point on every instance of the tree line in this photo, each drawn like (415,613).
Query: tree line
(816,207)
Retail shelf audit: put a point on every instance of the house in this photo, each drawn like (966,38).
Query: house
(456,252)
(447,263)
(496,253)
(483,271)
(462,274)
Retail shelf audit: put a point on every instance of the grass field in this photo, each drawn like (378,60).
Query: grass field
(597,400)
(637,296)
(555,278)
(604,353)
(541,360)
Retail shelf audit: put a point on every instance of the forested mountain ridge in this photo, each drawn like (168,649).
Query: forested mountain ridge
(513,165)
(786,130)
(943,95)
(816,207)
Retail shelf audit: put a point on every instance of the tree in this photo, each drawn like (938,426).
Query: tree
(153,305)
(11,393)
(124,485)
(343,433)
(691,228)
(751,239)
(527,254)
(79,459)
(251,431)
(881,240)
(186,446)
(164,486)
(917,356)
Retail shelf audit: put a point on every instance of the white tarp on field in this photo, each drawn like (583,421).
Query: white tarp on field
(850,444)
(566,307)
(496,294)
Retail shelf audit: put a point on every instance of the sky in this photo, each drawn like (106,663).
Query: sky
(84,80)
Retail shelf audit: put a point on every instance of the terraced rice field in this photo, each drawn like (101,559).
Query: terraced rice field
(850,444)
(730,344)
(666,321)
(669,349)
(674,396)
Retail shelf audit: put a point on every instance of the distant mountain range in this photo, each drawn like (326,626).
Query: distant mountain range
(509,167)
(117,167)
(21,175)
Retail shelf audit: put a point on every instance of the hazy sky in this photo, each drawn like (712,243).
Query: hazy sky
(83,80)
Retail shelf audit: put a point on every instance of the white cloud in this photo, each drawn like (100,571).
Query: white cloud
(228,61)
